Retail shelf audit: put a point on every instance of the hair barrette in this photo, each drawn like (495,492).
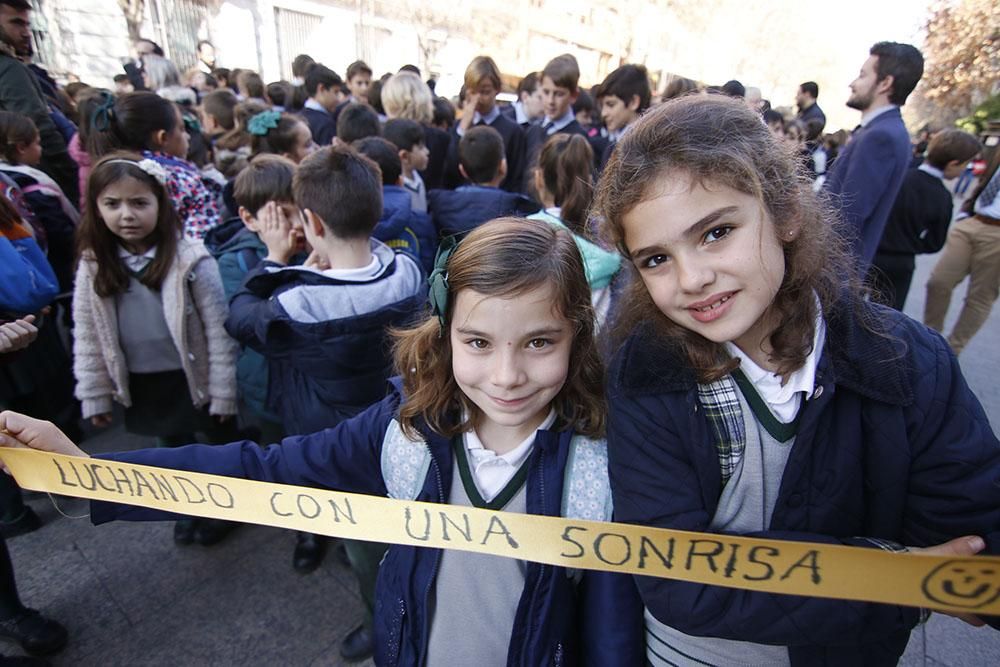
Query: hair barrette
(260,124)
(437,282)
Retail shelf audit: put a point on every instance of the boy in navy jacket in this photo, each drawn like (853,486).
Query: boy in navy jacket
(482,163)
(323,326)
(482,83)
(560,88)
(400,227)
(622,97)
(323,86)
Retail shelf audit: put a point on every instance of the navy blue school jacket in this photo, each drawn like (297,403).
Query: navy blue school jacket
(321,124)
(866,178)
(514,149)
(534,138)
(462,210)
(324,339)
(597,621)
(892,444)
(406,230)
(437,142)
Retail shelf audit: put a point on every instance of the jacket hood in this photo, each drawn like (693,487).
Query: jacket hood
(396,213)
(231,235)
(461,210)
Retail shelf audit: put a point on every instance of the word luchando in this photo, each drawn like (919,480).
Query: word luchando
(773,566)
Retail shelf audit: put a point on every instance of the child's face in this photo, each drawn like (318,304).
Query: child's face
(130,210)
(487,93)
(176,141)
(951,170)
(510,357)
(303,144)
(358,85)
(419,155)
(794,135)
(616,114)
(710,259)
(777,129)
(30,154)
(555,99)
(534,104)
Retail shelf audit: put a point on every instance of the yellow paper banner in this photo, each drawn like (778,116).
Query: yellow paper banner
(966,585)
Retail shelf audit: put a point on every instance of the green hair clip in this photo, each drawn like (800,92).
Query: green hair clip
(438,282)
(266,120)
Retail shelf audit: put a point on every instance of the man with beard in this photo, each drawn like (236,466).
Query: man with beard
(869,172)
(21,92)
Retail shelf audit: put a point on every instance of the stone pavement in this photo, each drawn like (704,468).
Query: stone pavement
(130,597)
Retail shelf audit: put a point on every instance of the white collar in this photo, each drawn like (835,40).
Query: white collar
(314,105)
(488,118)
(933,171)
(802,379)
(556,124)
(868,116)
(136,262)
(479,453)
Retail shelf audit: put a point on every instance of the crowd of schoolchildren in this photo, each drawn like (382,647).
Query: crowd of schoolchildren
(412,300)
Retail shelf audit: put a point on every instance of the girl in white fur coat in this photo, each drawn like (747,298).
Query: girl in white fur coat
(149,310)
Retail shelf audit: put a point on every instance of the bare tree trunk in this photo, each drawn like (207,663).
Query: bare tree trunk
(133,10)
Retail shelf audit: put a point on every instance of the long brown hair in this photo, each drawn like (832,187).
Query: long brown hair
(95,241)
(566,163)
(505,257)
(717,140)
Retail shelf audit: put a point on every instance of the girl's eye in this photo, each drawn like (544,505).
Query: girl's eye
(539,343)
(479,343)
(654,261)
(718,233)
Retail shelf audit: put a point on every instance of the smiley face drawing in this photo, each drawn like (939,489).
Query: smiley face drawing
(969,584)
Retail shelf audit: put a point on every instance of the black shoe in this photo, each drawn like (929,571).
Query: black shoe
(359,644)
(213,531)
(184,530)
(26,523)
(36,634)
(309,552)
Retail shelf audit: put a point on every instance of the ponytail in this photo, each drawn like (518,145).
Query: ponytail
(566,162)
(129,122)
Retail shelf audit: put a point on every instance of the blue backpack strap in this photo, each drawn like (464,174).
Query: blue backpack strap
(586,485)
(405,463)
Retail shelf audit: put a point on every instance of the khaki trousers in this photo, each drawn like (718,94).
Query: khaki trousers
(972,249)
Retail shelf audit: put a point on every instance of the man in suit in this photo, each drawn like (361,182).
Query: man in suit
(806,101)
(869,172)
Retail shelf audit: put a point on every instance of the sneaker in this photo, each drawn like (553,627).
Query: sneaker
(36,634)
(26,523)
(359,644)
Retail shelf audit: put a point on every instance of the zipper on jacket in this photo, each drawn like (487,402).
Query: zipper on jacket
(434,572)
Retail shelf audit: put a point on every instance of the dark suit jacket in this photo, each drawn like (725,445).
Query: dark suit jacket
(866,179)
(812,112)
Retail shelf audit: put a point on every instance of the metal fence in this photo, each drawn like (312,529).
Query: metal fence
(294,29)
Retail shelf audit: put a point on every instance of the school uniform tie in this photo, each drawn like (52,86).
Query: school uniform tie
(989,193)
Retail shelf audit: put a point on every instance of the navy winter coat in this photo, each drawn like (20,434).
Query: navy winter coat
(892,444)
(405,230)
(461,210)
(596,622)
(322,371)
